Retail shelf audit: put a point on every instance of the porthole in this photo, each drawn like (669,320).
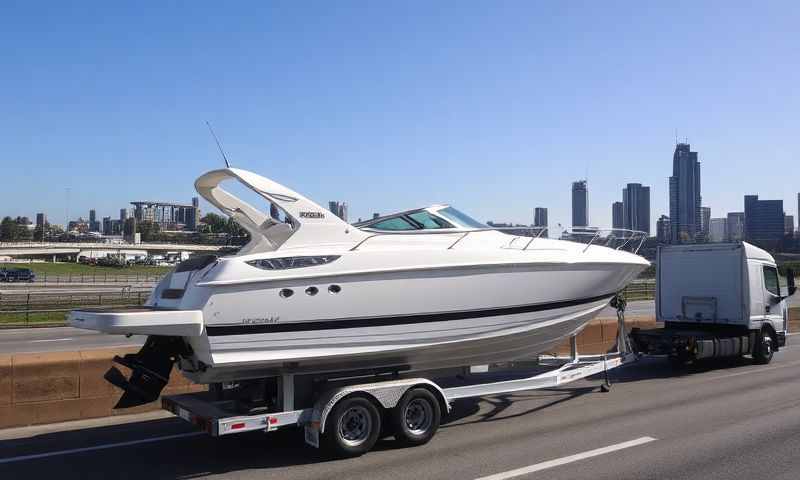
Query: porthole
(286,293)
(334,289)
(312,291)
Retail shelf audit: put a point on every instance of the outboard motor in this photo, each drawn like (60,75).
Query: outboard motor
(151,368)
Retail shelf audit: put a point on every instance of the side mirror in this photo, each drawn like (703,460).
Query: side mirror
(790,281)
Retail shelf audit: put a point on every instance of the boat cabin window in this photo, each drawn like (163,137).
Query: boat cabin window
(396,223)
(460,218)
(428,221)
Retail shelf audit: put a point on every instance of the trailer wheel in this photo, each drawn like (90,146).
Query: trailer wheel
(764,348)
(352,428)
(416,417)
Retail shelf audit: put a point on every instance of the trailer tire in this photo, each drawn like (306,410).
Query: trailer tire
(352,427)
(764,347)
(416,417)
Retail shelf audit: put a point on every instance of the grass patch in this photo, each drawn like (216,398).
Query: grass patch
(33,319)
(71,268)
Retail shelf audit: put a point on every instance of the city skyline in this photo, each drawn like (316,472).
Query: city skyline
(499,122)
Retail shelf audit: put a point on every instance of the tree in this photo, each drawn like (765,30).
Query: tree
(234,229)
(8,230)
(216,223)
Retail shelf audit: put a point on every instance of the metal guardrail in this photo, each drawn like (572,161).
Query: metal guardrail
(93,278)
(23,305)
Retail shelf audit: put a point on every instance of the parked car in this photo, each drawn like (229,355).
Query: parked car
(17,275)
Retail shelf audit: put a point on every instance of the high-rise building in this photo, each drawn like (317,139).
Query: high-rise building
(636,207)
(41,220)
(798,211)
(540,219)
(734,231)
(763,220)
(788,224)
(663,231)
(684,195)
(338,208)
(705,221)
(617,215)
(580,204)
(168,215)
(716,229)
(376,215)
(108,228)
(94,225)
(123,214)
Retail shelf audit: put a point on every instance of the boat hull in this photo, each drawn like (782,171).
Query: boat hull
(454,339)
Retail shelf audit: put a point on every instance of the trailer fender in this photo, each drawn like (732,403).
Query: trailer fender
(386,394)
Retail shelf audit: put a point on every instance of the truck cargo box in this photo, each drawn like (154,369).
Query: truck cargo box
(709,283)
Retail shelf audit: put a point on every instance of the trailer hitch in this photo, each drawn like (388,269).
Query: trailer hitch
(150,367)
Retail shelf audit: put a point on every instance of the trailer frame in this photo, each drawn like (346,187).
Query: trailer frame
(214,416)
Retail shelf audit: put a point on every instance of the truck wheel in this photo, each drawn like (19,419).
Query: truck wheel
(416,417)
(352,428)
(764,348)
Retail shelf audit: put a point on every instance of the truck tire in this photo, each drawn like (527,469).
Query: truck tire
(416,417)
(352,427)
(764,348)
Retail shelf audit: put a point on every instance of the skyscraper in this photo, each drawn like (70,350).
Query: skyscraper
(705,221)
(734,231)
(123,214)
(763,221)
(540,218)
(617,215)
(41,220)
(684,195)
(716,229)
(580,203)
(338,208)
(636,207)
(663,230)
(94,225)
(788,224)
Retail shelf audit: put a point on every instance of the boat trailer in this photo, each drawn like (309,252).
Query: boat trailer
(343,409)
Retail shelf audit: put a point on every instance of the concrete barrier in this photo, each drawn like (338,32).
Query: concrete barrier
(37,388)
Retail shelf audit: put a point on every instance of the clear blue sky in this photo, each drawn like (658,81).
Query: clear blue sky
(494,107)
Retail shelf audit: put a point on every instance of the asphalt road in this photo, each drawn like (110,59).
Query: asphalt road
(731,420)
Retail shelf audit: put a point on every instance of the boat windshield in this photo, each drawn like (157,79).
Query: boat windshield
(460,218)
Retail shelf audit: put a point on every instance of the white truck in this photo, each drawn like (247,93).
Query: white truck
(717,300)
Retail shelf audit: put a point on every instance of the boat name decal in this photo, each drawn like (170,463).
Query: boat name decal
(260,321)
(312,215)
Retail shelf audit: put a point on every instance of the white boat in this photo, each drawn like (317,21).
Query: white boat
(424,289)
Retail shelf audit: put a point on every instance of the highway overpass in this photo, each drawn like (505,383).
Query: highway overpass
(59,249)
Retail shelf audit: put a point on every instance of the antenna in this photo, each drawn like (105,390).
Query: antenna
(221,151)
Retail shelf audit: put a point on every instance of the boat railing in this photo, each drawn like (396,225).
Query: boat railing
(617,238)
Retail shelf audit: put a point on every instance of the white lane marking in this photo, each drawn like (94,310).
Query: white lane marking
(792,334)
(564,460)
(97,447)
(51,340)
